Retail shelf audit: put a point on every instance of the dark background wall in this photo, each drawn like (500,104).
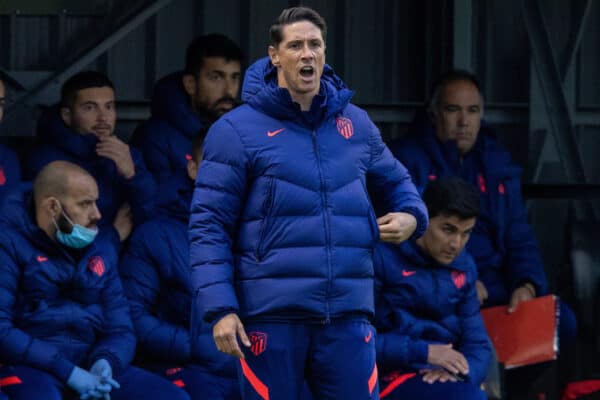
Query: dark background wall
(538,62)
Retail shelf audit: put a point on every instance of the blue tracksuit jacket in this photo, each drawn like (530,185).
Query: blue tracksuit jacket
(59,308)
(421,302)
(282,226)
(59,142)
(10,171)
(502,243)
(166,138)
(156,278)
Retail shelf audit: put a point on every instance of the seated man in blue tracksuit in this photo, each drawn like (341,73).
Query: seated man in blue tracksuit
(81,130)
(456,144)
(282,229)
(65,328)
(156,279)
(431,341)
(183,103)
(10,171)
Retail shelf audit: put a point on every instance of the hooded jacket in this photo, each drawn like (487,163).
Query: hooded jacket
(58,308)
(165,140)
(282,226)
(156,277)
(10,171)
(421,302)
(59,142)
(502,243)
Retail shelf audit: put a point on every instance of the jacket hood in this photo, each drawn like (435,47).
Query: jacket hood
(171,103)
(16,208)
(18,213)
(261,91)
(51,129)
(412,251)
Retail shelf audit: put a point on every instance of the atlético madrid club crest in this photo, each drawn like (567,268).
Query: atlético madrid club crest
(96,265)
(344,127)
(258,342)
(459,278)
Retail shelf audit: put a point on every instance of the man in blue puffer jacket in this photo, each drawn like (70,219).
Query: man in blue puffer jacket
(65,327)
(282,229)
(185,102)
(156,278)
(431,341)
(10,171)
(503,244)
(81,130)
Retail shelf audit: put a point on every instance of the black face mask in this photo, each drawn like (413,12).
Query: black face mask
(63,224)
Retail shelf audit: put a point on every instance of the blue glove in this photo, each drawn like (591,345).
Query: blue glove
(102,369)
(83,382)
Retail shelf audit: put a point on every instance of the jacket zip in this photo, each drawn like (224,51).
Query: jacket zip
(260,248)
(326,223)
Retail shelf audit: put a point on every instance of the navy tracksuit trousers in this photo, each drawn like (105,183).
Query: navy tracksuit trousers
(335,360)
(199,383)
(136,383)
(411,386)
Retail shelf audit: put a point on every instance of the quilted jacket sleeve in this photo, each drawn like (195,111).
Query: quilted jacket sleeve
(216,206)
(17,346)
(393,184)
(474,343)
(140,273)
(523,258)
(140,190)
(117,343)
(394,348)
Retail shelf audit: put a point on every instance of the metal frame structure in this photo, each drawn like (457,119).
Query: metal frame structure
(551,80)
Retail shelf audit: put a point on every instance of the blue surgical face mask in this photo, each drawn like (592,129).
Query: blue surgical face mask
(79,237)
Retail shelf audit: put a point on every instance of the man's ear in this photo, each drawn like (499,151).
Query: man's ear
(274,55)
(189,84)
(52,205)
(65,114)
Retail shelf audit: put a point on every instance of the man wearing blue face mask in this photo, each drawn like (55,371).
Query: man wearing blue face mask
(72,234)
(65,328)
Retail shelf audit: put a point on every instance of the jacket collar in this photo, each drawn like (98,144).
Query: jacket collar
(261,91)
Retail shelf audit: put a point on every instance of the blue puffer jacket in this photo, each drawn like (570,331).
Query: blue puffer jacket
(421,302)
(59,308)
(10,171)
(502,243)
(156,277)
(166,138)
(59,142)
(281,225)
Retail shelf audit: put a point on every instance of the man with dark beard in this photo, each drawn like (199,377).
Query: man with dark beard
(185,102)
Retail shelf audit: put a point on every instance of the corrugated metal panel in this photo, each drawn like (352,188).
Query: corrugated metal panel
(589,62)
(44,8)
(502,51)
(389,52)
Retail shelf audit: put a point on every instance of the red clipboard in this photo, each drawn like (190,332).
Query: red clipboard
(527,336)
